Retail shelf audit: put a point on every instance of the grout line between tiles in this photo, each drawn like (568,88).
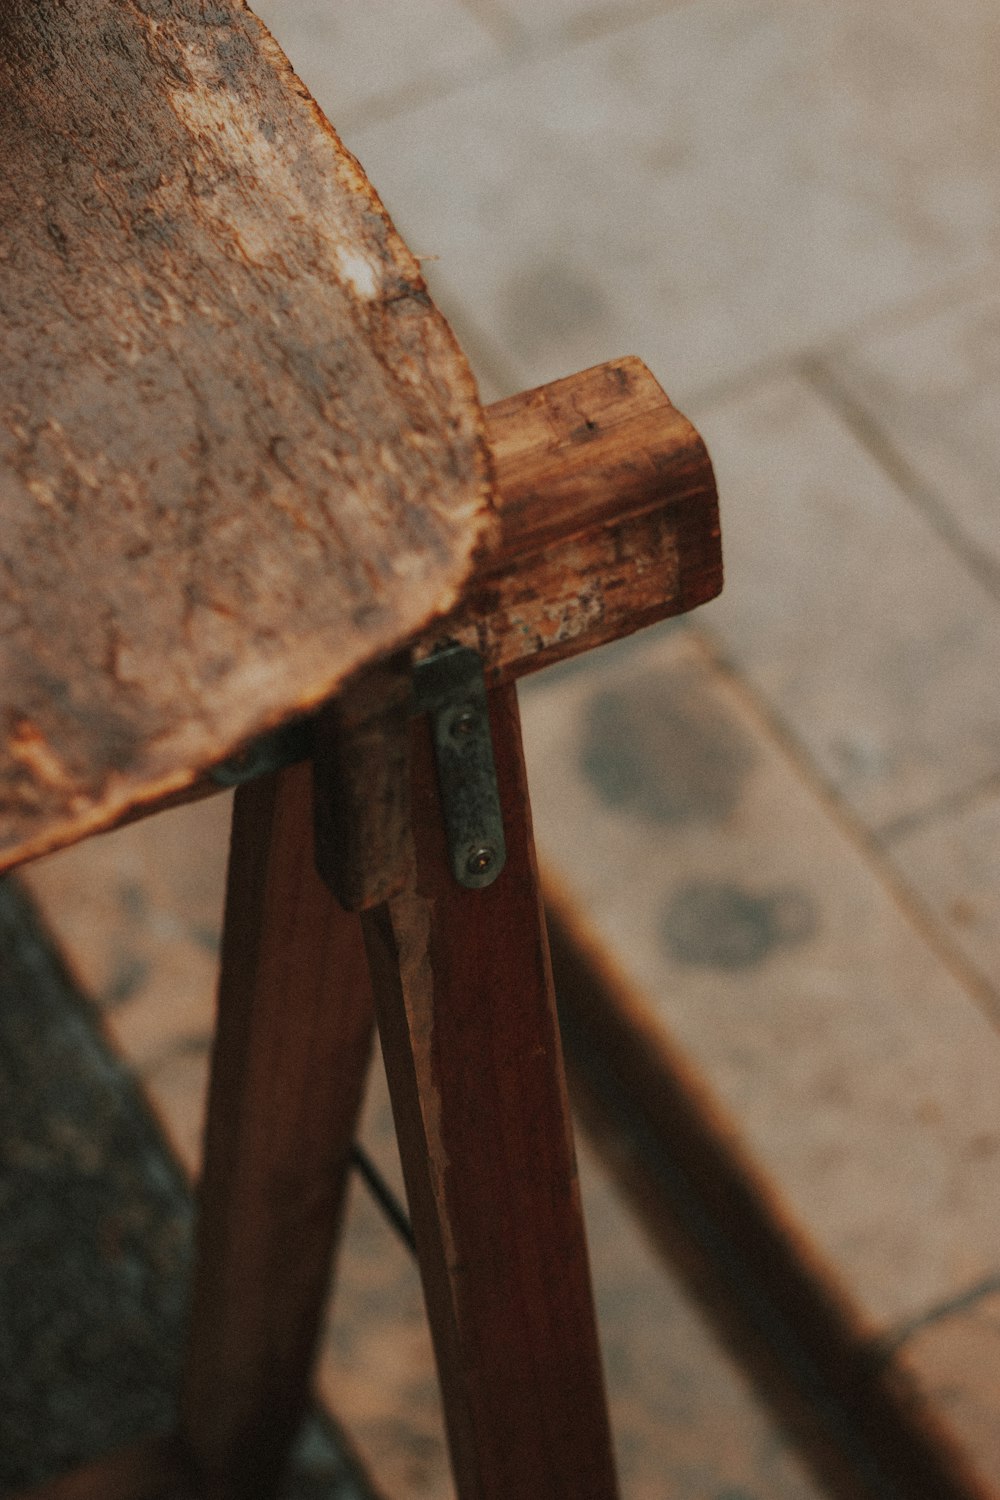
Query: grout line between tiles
(962,801)
(864,839)
(888,1345)
(742,383)
(862,423)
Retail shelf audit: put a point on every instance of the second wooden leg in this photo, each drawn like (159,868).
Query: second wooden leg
(465,1008)
(289,1063)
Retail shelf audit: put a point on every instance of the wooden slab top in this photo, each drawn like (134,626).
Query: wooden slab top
(240,452)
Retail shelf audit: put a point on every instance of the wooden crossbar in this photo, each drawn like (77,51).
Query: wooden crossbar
(608,522)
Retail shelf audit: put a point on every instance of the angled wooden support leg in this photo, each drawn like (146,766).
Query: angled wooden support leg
(464,1000)
(290,1058)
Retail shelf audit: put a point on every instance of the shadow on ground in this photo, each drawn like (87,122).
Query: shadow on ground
(96,1242)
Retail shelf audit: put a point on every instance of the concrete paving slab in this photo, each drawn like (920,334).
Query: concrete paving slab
(361,59)
(691,188)
(930,389)
(953,863)
(96,1240)
(177,1089)
(860,626)
(684,1415)
(905,94)
(855,1068)
(552,23)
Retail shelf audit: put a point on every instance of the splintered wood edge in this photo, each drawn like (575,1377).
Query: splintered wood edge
(251,398)
(607,522)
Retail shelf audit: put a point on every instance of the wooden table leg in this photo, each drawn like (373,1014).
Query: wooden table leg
(466,1015)
(291,1053)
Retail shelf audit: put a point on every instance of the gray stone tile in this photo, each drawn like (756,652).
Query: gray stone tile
(96,1240)
(692,189)
(953,863)
(750,927)
(930,387)
(361,59)
(861,627)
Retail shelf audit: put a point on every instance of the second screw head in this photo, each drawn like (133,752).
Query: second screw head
(480,860)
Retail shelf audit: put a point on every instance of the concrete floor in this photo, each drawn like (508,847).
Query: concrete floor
(791,211)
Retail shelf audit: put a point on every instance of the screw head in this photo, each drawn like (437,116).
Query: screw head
(480,860)
(464,723)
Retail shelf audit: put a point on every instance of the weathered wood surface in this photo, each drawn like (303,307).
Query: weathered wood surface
(240,452)
(608,521)
(463,995)
(288,1070)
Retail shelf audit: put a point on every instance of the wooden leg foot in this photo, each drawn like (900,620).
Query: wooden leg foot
(465,1008)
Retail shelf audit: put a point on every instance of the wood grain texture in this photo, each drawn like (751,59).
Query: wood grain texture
(608,521)
(601,529)
(240,452)
(463,995)
(288,1069)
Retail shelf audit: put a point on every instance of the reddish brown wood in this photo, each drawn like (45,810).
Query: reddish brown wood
(466,1017)
(291,1051)
(240,452)
(149,1470)
(711,1210)
(608,521)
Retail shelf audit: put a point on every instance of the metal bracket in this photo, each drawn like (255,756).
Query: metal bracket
(451,688)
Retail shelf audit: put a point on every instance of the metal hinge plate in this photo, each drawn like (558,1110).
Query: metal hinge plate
(451,688)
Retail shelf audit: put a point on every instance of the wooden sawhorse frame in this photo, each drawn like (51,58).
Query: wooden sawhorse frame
(382,859)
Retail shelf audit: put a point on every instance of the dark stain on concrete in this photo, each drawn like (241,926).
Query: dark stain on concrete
(661,748)
(548,302)
(716,924)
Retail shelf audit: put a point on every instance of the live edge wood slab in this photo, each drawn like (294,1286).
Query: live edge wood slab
(240,452)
